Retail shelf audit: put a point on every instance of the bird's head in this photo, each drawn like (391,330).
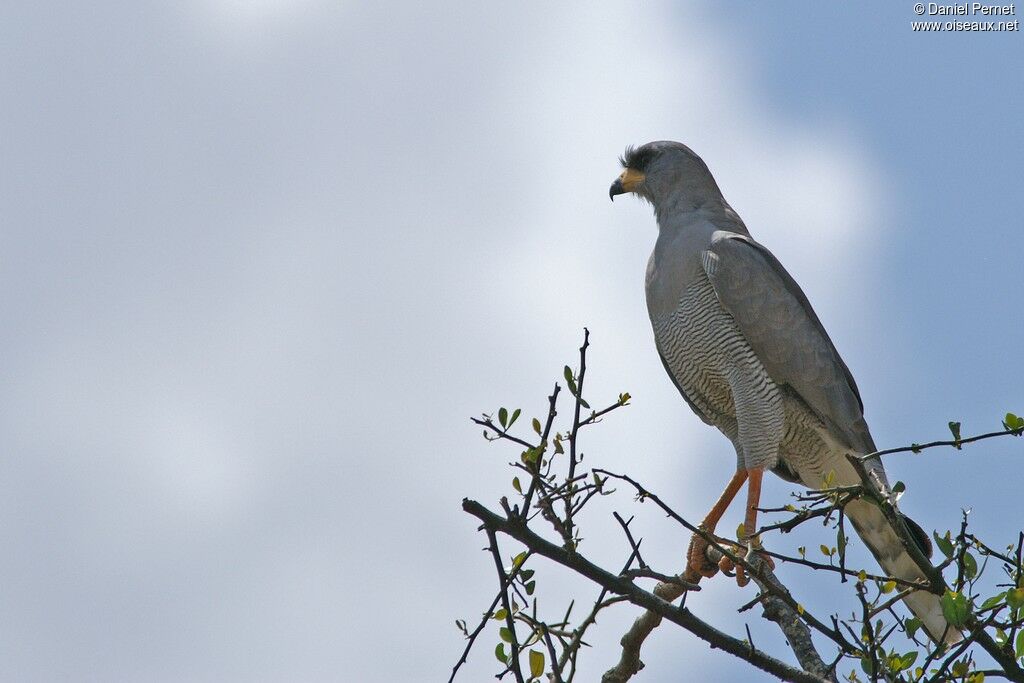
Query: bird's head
(665,171)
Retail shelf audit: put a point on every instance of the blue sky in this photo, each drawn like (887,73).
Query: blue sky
(264,259)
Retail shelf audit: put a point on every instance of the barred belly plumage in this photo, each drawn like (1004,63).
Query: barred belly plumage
(720,374)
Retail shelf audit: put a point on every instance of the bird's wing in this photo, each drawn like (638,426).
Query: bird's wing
(693,406)
(783,330)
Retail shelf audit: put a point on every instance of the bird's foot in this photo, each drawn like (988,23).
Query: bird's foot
(697,560)
(749,553)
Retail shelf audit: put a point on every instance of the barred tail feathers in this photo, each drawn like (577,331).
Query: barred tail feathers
(883,542)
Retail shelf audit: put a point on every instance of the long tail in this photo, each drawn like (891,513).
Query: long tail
(883,542)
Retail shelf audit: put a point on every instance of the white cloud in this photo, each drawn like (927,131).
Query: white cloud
(335,246)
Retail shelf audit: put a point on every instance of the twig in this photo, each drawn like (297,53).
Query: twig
(956,443)
(578,395)
(599,604)
(713,542)
(651,601)
(509,622)
(633,544)
(664,578)
(472,637)
(552,413)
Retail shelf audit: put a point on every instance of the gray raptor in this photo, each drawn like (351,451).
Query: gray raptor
(748,354)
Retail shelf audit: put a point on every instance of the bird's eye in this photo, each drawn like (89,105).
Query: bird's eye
(642,159)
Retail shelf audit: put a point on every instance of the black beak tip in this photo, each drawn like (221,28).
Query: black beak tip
(615,189)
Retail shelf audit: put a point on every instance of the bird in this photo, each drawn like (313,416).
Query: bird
(742,344)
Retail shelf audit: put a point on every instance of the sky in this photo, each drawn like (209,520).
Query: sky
(263,260)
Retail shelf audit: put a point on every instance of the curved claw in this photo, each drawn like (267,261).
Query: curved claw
(697,560)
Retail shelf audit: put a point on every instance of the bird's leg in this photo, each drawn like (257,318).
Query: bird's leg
(749,525)
(696,561)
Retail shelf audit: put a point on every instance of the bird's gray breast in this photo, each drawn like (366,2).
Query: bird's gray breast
(714,366)
(716,369)
(703,349)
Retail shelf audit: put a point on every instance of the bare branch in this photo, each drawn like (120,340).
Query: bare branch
(651,601)
(956,443)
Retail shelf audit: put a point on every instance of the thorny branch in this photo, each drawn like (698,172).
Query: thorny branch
(557,489)
(680,616)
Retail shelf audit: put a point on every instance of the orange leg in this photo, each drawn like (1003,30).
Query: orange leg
(731,489)
(695,558)
(753,502)
(749,525)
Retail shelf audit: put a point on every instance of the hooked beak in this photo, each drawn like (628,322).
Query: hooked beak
(628,181)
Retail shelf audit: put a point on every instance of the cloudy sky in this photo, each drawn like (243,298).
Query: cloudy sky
(263,259)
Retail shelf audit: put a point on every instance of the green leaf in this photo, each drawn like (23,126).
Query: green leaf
(970,566)
(516,485)
(531,455)
(525,575)
(1001,638)
(955,608)
(536,663)
(954,427)
(908,659)
(505,634)
(825,550)
(1019,646)
(515,416)
(500,615)
(1015,597)
(862,575)
(994,600)
(530,587)
(1013,423)
(503,417)
(518,559)
(944,542)
(888,587)
(803,552)
(624,398)
(536,426)
(912,624)
(570,381)
(899,487)
(499,652)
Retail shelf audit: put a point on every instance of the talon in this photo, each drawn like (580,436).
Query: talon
(727,566)
(741,577)
(697,560)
